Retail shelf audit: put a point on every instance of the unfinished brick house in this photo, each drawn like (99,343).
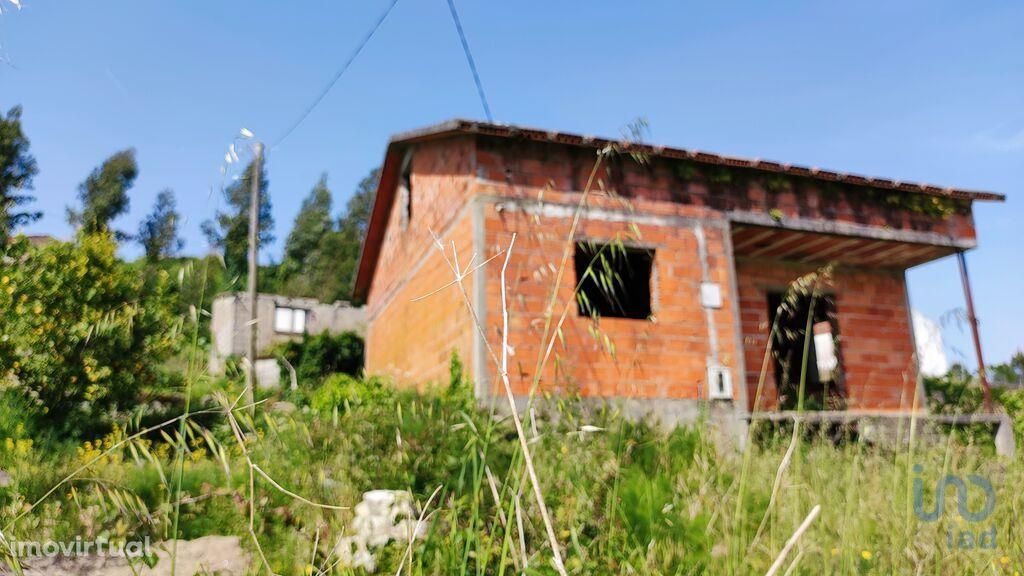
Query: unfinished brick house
(705,248)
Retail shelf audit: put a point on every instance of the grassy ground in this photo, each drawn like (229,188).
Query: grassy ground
(625,498)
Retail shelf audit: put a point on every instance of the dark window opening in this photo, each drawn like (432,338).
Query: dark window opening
(405,190)
(614,281)
(823,389)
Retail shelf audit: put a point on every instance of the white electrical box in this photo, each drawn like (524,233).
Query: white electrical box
(719,382)
(710,295)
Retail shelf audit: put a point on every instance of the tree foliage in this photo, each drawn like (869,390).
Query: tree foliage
(311,224)
(357,211)
(1011,373)
(158,233)
(17,168)
(104,194)
(229,229)
(81,333)
(328,271)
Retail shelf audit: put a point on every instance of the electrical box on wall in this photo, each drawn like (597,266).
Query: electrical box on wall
(710,295)
(719,382)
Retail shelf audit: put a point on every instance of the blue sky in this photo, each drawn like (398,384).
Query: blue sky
(929,91)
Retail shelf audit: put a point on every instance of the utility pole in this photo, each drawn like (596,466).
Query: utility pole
(254,240)
(973,321)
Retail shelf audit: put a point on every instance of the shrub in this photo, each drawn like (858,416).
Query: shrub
(955,392)
(342,391)
(15,412)
(194,283)
(316,357)
(80,333)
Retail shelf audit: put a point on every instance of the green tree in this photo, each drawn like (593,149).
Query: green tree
(158,233)
(312,223)
(352,228)
(17,168)
(104,194)
(229,229)
(356,218)
(1011,373)
(81,333)
(328,271)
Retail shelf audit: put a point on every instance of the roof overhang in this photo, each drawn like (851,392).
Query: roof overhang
(814,246)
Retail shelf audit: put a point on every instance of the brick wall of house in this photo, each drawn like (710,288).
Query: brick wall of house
(664,357)
(661,199)
(412,342)
(682,183)
(876,336)
(441,176)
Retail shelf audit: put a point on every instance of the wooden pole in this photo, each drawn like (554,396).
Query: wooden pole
(973,321)
(254,240)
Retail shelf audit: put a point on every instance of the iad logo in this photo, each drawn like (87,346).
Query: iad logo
(965,539)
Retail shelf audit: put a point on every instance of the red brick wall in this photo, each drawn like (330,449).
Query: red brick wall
(441,175)
(681,183)
(874,326)
(661,358)
(666,357)
(412,342)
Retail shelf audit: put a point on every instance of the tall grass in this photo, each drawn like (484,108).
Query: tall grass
(628,499)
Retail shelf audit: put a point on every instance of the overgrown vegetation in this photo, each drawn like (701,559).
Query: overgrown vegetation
(916,204)
(626,497)
(81,334)
(318,356)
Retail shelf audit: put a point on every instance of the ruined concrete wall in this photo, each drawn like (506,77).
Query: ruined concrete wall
(229,324)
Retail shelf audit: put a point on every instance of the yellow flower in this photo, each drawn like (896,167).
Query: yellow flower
(1004,560)
(835,551)
(865,554)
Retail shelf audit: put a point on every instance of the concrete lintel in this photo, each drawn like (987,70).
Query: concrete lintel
(550,209)
(850,229)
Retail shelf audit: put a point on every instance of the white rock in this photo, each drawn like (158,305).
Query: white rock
(382,517)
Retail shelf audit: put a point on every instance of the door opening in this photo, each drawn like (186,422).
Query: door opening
(823,383)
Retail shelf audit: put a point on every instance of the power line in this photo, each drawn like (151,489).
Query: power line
(469,58)
(337,76)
